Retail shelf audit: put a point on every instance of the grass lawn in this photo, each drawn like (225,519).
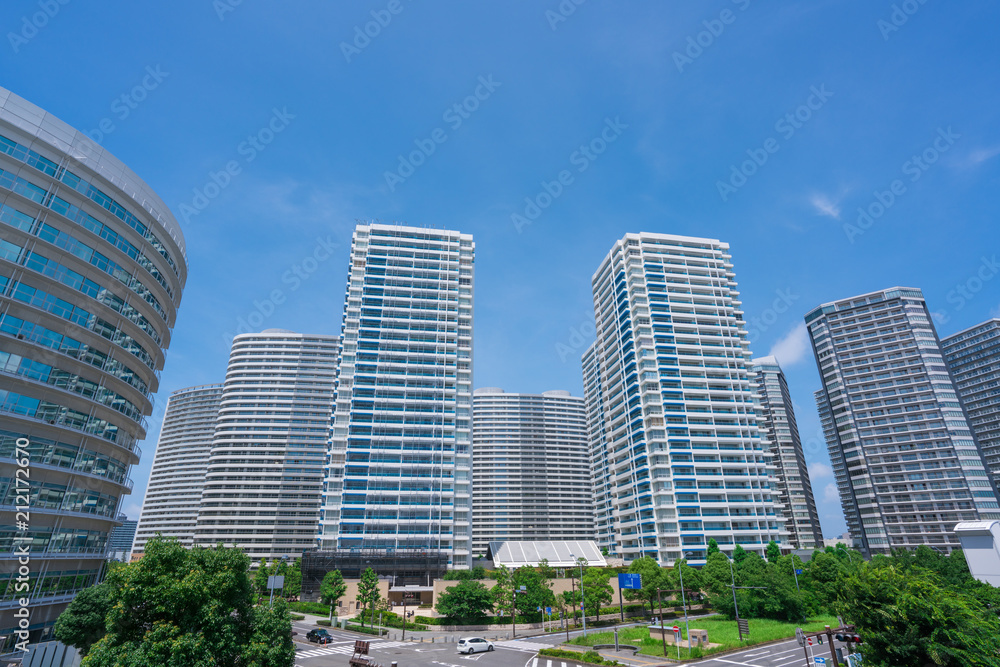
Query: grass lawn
(720,631)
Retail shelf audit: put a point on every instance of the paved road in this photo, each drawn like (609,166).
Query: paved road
(508,653)
(785,654)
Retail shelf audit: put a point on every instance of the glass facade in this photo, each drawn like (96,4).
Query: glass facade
(91,272)
(399,470)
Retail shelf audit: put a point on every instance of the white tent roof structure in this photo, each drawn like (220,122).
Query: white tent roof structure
(558,554)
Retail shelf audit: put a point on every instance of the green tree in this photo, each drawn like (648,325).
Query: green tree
(467,603)
(823,577)
(271,640)
(331,589)
(911,618)
(503,591)
(546,570)
(713,546)
(597,592)
(260,578)
(293,579)
(368,593)
(652,579)
(537,593)
(773,552)
(715,574)
(739,554)
(190,607)
(82,624)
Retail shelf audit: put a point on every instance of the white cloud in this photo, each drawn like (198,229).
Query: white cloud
(830,494)
(819,470)
(793,347)
(825,206)
(980,155)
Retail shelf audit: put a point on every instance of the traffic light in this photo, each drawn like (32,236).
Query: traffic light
(849,638)
(819,638)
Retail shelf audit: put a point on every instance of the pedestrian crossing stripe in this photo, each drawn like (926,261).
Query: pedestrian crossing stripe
(531,647)
(537,662)
(346,650)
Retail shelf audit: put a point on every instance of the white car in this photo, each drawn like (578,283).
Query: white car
(474,645)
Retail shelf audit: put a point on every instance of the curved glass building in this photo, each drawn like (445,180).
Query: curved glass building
(92,266)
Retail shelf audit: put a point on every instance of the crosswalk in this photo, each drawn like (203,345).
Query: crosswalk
(543,662)
(521,645)
(346,648)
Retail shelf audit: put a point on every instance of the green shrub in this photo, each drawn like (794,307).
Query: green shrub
(296,617)
(310,608)
(325,623)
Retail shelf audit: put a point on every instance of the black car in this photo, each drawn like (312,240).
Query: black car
(319,636)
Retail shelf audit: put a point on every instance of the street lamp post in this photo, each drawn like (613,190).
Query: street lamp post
(583,606)
(687,625)
(850,556)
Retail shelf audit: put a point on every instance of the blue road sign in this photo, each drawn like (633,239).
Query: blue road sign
(548,610)
(798,571)
(627,580)
(820,661)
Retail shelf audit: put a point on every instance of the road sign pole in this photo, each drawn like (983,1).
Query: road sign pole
(621,603)
(796,573)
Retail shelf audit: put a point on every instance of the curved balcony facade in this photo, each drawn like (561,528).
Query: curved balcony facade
(92,266)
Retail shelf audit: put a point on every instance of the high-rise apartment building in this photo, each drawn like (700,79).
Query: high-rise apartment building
(92,266)
(400,456)
(973,355)
(530,468)
(603,488)
(776,420)
(264,476)
(669,374)
(177,477)
(906,463)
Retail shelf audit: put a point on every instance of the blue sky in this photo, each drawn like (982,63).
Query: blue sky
(766,125)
